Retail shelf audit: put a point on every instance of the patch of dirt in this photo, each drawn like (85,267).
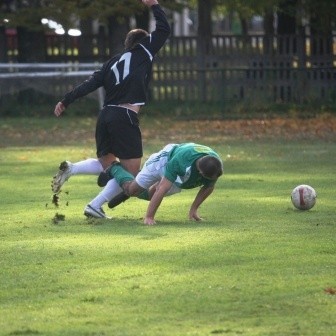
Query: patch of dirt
(55,200)
(330,290)
(76,131)
(58,218)
(322,127)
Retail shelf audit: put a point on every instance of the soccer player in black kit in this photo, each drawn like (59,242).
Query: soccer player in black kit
(125,78)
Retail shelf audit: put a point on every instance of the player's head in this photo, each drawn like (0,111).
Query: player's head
(134,37)
(210,167)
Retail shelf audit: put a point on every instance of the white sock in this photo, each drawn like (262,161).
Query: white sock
(88,167)
(111,190)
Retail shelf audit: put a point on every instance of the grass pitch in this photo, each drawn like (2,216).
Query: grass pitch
(254,266)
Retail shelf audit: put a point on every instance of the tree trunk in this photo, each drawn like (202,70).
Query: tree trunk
(102,44)
(244,32)
(117,34)
(3,45)
(142,20)
(286,27)
(269,32)
(85,41)
(321,37)
(204,31)
(204,34)
(287,17)
(31,46)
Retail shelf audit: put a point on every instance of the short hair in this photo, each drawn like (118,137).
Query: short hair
(134,37)
(210,167)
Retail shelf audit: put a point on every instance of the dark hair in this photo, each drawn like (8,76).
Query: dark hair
(210,167)
(134,37)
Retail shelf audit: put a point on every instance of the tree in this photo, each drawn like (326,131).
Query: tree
(26,17)
(4,9)
(114,16)
(321,27)
(287,21)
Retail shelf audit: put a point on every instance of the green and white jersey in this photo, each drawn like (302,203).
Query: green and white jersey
(181,166)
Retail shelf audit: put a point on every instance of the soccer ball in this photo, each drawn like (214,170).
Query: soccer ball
(303,197)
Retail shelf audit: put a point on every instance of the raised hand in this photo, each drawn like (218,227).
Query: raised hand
(59,109)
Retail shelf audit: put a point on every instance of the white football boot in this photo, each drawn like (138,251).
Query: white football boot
(62,176)
(90,212)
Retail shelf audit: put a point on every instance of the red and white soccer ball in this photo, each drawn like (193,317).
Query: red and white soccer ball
(303,197)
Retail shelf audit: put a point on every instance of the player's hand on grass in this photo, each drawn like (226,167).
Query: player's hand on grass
(149,221)
(59,109)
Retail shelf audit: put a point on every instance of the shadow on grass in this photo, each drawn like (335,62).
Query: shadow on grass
(129,227)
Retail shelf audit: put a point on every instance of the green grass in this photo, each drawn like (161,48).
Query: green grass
(254,266)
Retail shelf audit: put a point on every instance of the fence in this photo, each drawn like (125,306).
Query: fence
(253,70)
(231,70)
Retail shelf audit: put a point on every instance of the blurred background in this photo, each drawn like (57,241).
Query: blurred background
(225,58)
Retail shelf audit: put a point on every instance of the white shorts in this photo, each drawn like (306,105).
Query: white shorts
(154,168)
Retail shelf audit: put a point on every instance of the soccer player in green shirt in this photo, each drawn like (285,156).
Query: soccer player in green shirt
(175,167)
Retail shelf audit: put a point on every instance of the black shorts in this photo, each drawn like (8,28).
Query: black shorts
(118,133)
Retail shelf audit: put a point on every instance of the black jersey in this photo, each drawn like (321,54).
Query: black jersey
(125,77)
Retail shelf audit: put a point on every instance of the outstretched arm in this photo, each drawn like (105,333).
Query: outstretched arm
(202,194)
(89,85)
(161,190)
(159,36)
